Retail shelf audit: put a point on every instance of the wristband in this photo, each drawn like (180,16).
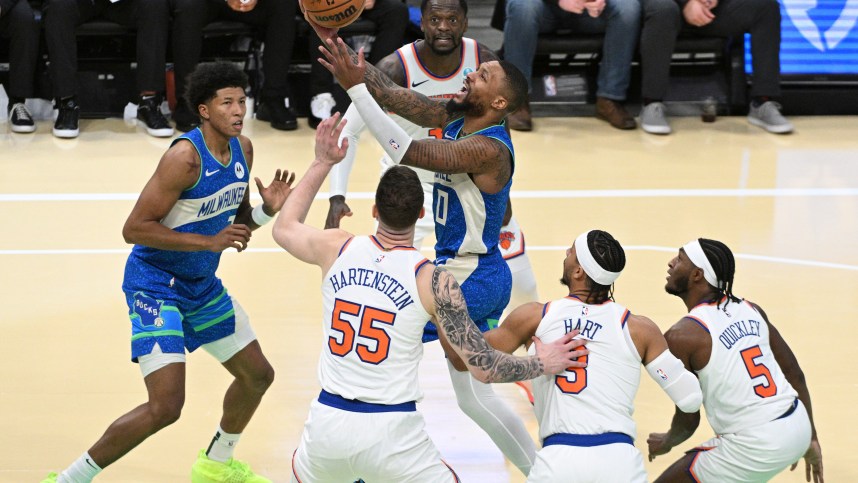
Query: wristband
(259,216)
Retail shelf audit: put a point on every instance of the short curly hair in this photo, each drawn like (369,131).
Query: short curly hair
(204,82)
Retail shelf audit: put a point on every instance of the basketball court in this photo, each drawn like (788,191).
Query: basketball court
(786,205)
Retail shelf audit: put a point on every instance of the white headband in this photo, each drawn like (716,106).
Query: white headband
(590,265)
(698,258)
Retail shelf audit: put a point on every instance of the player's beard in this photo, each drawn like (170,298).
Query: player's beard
(465,107)
(455,43)
(677,286)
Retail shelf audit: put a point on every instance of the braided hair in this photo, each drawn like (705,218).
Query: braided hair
(609,254)
(722,261)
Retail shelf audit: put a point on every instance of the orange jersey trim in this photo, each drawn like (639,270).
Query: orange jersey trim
(625,318)
(420,265)
(431,75)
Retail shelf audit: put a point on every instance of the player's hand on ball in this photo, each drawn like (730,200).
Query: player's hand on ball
(339,62)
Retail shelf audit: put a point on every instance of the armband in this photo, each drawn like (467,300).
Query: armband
(259,216)
(681,385)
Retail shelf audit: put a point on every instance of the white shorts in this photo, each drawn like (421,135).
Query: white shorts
(581,464)
(222,349)
(756,454)
(340,446)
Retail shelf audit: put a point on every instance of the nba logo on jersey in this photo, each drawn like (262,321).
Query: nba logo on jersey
(393,144)
(239,171)
(379,258)
(585,310)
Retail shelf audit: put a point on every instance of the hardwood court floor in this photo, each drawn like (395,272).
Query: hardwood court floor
(787,206)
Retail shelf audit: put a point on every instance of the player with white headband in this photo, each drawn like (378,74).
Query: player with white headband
(754,391)
(585,414)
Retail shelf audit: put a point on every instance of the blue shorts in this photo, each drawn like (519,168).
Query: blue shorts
(487,286)
(178,324)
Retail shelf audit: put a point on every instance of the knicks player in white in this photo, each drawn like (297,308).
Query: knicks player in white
(473,162)
(378,291)
(754,391)
(434,67)
(585,414)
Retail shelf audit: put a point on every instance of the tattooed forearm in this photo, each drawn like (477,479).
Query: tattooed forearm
(463,334)
(411,105)
(476,154)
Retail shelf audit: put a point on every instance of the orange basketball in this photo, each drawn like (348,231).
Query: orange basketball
(333,13)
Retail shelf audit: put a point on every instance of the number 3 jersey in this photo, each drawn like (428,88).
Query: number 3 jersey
(743,386)
(373,323)
(599,398)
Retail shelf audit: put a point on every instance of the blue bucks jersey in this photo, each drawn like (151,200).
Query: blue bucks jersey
(205,208)
(468,221)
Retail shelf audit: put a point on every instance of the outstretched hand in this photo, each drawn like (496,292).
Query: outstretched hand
(562,354)
(275,194)
(328,147)
(812,462)
(339,62)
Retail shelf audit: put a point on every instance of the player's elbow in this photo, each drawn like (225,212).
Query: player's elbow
(282,235)
(691,402)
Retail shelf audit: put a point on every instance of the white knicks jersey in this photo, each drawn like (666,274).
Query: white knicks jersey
(599,398)
(419,79)
(743,386)
(373,323)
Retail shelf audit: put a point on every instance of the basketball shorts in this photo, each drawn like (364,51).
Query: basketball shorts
(173,326)
(588,464)
(756,454)
(486,283)
(381,447)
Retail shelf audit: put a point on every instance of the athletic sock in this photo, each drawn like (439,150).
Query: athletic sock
(83,470)
(479,401)
(222,445)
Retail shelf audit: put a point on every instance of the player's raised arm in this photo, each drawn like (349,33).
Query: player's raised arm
(484,362)
(306,243)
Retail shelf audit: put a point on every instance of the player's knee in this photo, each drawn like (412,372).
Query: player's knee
(261,379)
(165,413)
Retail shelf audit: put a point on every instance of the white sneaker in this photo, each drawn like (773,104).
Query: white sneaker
(322,105)
(653,119)
(768,116)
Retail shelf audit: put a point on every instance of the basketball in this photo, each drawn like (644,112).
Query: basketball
(333,13)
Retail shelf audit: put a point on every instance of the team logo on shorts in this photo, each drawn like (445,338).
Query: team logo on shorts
(506,239)
(159,322)
(239,171)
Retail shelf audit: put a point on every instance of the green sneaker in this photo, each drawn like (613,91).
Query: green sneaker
(233,471)
(52,478)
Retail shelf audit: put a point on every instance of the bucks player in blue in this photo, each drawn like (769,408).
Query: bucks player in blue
(474,163)
(195,206)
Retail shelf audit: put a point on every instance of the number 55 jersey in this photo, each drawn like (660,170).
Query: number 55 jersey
(373,323)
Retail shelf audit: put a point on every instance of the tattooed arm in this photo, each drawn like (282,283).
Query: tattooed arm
(350,69)
(484,362)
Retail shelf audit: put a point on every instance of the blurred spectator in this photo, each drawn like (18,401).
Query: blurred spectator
(663,21)
(619,20)
(391,20)
(276,17)
(18,23)
(151,20)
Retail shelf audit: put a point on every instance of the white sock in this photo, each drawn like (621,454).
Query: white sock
(83,470)
(479,401)
(222,445)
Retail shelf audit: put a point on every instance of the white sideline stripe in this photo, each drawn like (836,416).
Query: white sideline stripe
(531,248)
(367,195)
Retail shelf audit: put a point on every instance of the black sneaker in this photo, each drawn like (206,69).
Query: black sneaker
(274,110)
(183,117)
(149,114)
(20,118)
(66,125)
